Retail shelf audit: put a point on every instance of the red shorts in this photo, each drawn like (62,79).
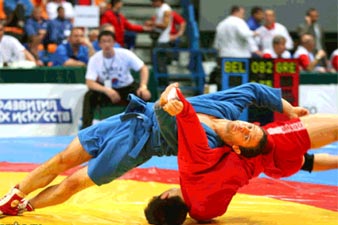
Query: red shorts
(290,141)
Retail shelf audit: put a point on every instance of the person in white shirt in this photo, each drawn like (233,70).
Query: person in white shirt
(270,29)
(161,26)
(12,51)
(109,79)
(52,6)
(306,59)
(278,50)
(233,36)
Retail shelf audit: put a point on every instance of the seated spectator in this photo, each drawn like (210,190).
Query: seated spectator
(93,34)
(334,61)
(52,9)
(11,50)
(304,53)
(120,23)
(109,79)
(256,18)
(11,5)
(103,27)
(35,47)
(75,52)
(270,29)
(36,25)
(278,49)
(42,5)
(59,28)
(15,22)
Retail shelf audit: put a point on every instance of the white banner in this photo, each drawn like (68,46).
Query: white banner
(87,16)
(28,110)
(319,98)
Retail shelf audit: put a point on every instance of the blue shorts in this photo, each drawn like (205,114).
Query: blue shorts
(116,146)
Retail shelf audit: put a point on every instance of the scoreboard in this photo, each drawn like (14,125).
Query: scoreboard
(281,73)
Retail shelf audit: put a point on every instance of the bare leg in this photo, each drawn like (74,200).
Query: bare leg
(72,156)
(325,161)
(322,128)
(59,193)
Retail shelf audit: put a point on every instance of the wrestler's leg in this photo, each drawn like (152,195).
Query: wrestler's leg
(319,162)
(322,128)
(72,156)
(59,193)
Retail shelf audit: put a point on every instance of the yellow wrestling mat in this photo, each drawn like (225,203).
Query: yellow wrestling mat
(122,202)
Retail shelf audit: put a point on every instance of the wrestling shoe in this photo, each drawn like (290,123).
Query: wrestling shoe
(9,203)
(25,206)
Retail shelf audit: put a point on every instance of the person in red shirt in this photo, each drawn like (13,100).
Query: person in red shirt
(203,194)
(120,23)
(334,61)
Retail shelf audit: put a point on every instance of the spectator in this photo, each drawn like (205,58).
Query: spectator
(93,34)
(11,50)
(233,36)
(52,9)
(109,79)
(42,5)
(109,27)
(334,61)
(270,29)
(304,54)
(35,47)
(256,18)
(119,22)
(59,28)
(161,27)
(278,49)
(11,5)
(14,25)
(177,30)
(75,52)
(312,27)
(36,25)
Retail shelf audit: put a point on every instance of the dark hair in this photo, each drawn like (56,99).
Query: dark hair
(255,10)
(259,149)
(60,8)
(169,211)
(235,9)
(106,33)
(309,11)
(114,2)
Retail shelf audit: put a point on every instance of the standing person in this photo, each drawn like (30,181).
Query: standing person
(304,54)
(161,26)
(278,50)
(256,18)
(119,22)
(270,29)
(210,177)
(11,50)
(109,79)
(178,27)
(233,36)
(311,26)
(75,52)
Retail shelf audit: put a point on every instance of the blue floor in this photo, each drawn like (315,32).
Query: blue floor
(39,149)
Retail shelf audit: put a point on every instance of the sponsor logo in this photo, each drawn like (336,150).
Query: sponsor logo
(34,111)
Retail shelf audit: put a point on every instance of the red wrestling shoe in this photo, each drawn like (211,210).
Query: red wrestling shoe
(25,206)
(10,202)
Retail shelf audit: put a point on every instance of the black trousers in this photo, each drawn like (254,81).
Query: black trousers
(94,99)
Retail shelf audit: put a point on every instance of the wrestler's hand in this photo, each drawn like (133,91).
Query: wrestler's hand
(173,107)
(164,96)
(298,111)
